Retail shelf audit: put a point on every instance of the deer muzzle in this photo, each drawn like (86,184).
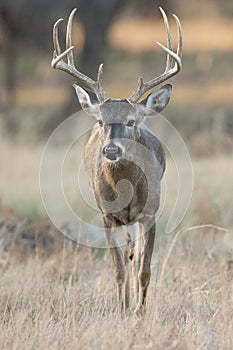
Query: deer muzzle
(112,152)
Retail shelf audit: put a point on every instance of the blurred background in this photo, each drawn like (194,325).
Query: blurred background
(34,98)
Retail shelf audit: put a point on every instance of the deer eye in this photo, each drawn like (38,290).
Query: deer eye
(99,121)
(131,122)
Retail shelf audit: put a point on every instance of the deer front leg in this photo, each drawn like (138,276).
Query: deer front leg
(121,278)
(120,260)
(147,245)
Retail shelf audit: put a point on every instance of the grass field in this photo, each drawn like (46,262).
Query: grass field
(57,296)
(66,300)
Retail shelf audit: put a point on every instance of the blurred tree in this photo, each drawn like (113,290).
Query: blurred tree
(147,8)
(96,17)
(26,25)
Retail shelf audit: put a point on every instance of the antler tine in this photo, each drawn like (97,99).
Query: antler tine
(100,74)
(178,55)
(69,67)
(169,39)
(70,55)
(173,66)
(57,55)
(180,43)
(57,48)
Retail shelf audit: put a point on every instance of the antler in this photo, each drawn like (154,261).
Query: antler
(173,66)
(69,67)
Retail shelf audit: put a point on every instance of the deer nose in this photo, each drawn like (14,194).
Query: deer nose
(112,151)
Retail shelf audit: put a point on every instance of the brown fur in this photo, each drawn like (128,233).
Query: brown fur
(104,177)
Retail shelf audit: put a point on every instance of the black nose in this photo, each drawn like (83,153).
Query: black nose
(112,151)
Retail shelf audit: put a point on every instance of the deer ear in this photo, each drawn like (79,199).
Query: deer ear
(155,102)
(85,101)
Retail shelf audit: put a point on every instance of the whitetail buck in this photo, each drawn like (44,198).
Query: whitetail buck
(119,137)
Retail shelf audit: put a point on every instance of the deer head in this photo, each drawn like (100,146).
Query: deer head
(118,119)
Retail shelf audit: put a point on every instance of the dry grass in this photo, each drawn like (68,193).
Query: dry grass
(65,298)
(67,301)
(19,186)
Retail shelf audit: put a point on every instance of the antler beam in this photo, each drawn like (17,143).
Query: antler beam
(173,65)
(69,67)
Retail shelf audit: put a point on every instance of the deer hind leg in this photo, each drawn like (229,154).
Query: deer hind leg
(147,245)
(120,258)
(127,252)
(136,259)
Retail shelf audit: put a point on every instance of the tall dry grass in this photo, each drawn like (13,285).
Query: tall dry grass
(64,297)
(67,300)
